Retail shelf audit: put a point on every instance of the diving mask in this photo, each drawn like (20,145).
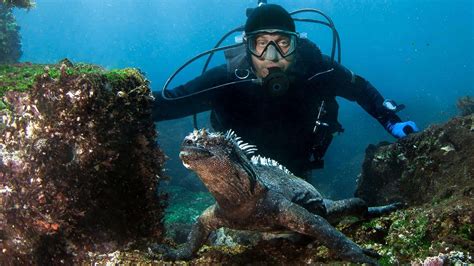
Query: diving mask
(271,44)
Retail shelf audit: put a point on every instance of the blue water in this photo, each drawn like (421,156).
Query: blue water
(419,53)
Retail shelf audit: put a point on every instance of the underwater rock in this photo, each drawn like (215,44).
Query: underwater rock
(432,165)
(432,171)
(466,105)
(79,163)
(420,233)
(10,41)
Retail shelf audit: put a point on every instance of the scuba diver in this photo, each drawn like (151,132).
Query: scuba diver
(277,91)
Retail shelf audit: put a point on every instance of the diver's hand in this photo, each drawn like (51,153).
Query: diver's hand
(402,129)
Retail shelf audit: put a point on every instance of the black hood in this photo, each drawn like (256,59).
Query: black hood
(269,16)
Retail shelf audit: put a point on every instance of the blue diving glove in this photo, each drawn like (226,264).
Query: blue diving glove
(402,129)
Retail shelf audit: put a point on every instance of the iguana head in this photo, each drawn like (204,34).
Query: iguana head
(204,149)
(220,160)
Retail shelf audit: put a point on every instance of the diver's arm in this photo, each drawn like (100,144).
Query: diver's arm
(353,87)
(164,109)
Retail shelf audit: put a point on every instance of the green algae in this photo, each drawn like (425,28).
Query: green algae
(416,233)
(408,235)
(120,76)
(21,77)
(18,78)
(466,231)
(185,206)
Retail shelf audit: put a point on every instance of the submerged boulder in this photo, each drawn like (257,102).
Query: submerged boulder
(433,173)
(79,163)
(433,165)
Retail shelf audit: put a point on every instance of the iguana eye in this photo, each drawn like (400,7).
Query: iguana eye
(188,142)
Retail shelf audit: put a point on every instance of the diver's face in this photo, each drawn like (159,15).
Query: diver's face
(264,62)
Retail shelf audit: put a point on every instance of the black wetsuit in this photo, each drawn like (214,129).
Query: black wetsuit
(280,126)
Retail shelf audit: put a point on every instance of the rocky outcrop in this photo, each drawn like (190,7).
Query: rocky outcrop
(433,173)
(430,166)
(79,163)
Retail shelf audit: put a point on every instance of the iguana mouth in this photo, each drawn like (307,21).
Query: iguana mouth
(191,153)
(190,150)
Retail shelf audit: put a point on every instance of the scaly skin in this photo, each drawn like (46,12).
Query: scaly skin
(255,194)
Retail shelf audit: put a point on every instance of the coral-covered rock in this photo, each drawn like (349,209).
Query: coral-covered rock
(429,166)
(79,164)
(432,171)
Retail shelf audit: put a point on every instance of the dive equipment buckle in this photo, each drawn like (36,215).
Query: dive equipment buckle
(323,133)
(318,121)
(392,106)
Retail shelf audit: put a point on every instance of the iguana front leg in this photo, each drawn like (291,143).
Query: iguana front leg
(298,219)
(205,224)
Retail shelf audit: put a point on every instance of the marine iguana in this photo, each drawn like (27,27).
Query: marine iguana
(259,194)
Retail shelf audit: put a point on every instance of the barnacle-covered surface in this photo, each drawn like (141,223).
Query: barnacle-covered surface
(79,164)
(10,42)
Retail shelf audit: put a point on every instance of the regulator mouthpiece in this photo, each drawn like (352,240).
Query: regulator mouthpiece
(276,82)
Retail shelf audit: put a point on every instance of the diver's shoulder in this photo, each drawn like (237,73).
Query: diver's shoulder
(326,59)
